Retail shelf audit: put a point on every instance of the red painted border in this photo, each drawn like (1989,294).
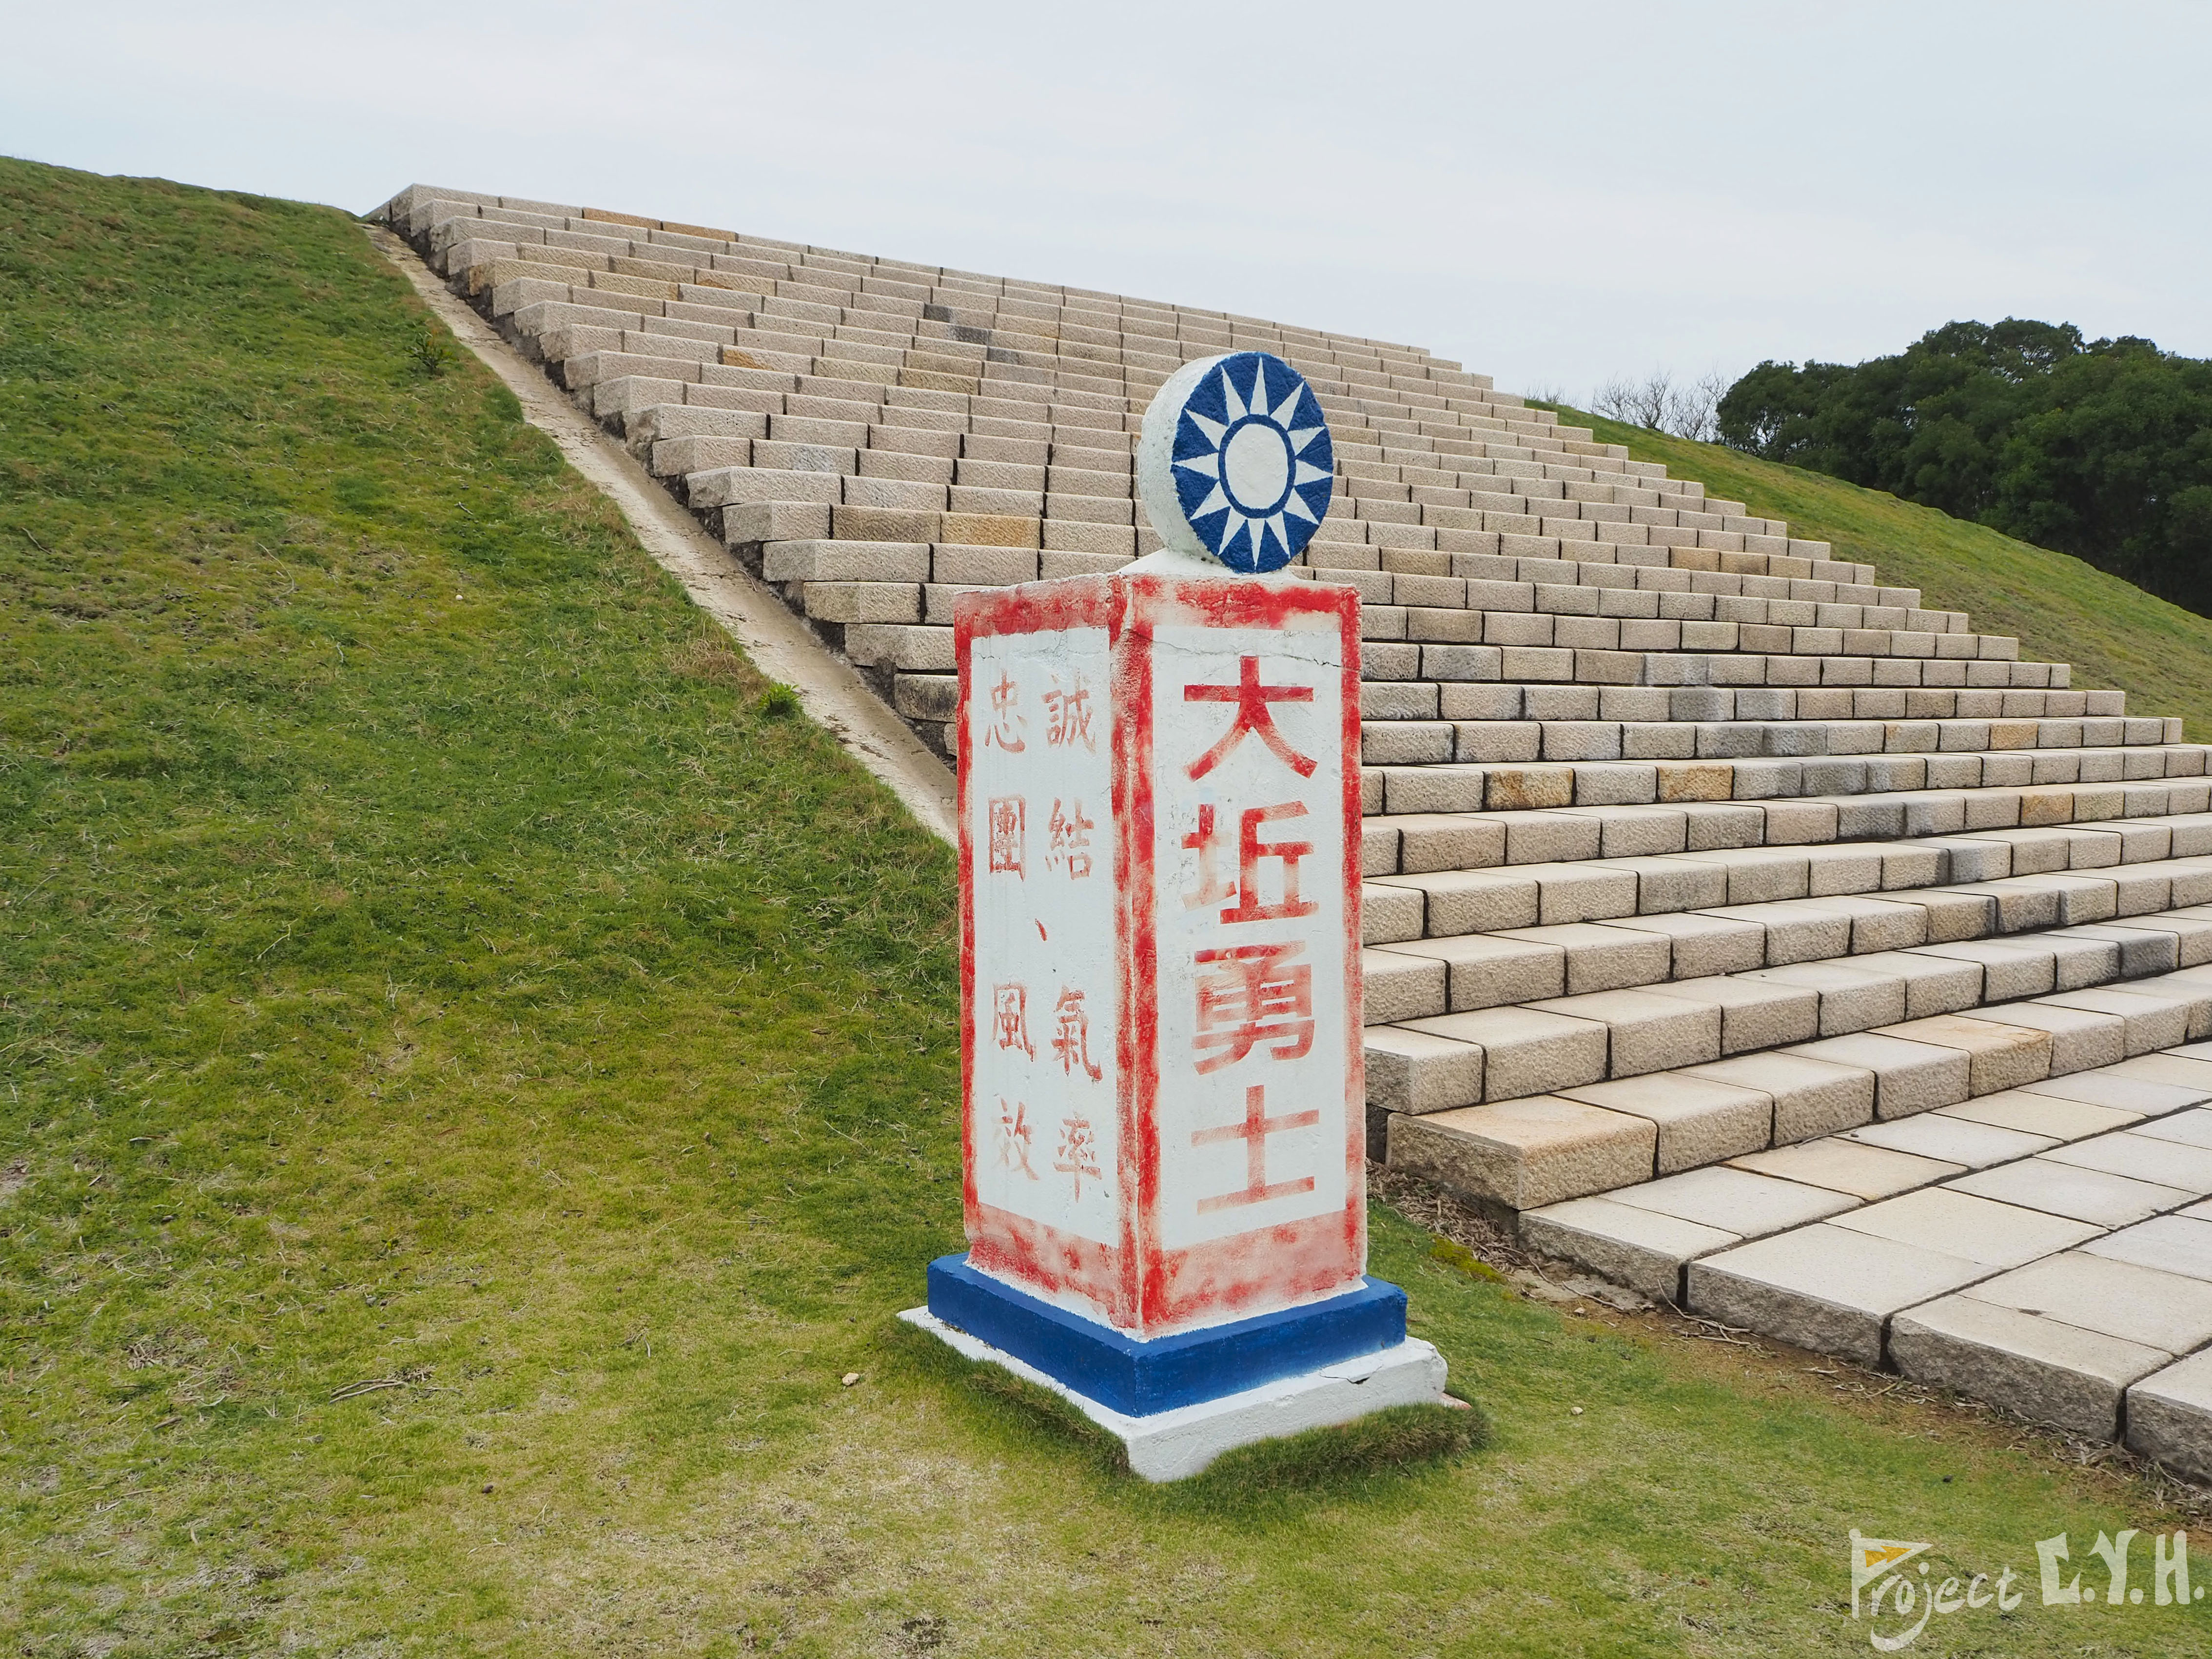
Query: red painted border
(1135,952)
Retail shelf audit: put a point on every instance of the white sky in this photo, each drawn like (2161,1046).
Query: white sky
(1550,192)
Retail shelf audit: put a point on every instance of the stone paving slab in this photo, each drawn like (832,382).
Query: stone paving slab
(1638,1247)
(1849,997)
(2150,1021)
(1751,1206)
(1956,1223)
(1644,1033)
(2060,1117)
(1847,1166)
(2192,1127)
(2042,1369)
(2000,1056)
(2166,1163)
(2118,1298)
(1753,1016)
(2091,1196)
(2169,1416)
(1526,1051)
(1410,1071)
(2183,1071)
(1932,985)
(2171,1244)
(2081,1039)
(1909,1077)
(1953,1139)
(1824,1287)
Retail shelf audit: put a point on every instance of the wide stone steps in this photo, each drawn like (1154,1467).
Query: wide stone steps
(1632,989)
(1587,1127)
(1977,1145)
(1707,539)
(1491,968)
(2111,776)
(724,309)
(627,307)
(1423,843)
(1389,667)
(1662,603)
(1414,740)
(1495,889)
(1545,664)
(1651,619)
(2046,1247)
(1566,950)
(1427,987)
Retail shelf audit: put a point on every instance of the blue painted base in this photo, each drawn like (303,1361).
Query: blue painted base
(1140,1379)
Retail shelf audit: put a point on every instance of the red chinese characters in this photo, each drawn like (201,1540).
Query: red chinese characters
(1068,713)
(1039,1078)
(1071,1036)
(1010,817)
(1250,995)
(1253,999)
(1010,1018)
(1069,848)
(1254,718)
(1253,1129)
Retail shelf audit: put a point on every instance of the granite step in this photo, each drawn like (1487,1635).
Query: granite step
(1562,1127)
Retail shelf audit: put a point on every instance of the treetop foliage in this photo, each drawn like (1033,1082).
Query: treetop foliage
(2101,448)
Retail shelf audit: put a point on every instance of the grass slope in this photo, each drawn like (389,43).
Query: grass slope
(2060,609)
(473,1084)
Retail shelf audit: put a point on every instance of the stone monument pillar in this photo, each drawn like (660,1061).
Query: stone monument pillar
(1160,989)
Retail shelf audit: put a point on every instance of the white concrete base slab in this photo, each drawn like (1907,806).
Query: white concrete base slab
(1170,1445)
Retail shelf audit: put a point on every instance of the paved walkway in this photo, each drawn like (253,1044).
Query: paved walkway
(2048,1249)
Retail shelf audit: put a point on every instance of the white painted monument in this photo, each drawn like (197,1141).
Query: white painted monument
(1159,885)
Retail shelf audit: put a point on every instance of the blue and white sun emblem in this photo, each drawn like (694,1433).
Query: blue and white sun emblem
(1246,457)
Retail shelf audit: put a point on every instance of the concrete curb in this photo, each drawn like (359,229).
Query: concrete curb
(780,645)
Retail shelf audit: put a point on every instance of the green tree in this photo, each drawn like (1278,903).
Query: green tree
(2102,449)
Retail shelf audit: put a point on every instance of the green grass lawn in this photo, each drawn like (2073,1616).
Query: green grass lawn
(2060,609)
(475,1083)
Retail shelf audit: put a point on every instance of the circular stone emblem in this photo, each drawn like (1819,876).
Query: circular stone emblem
(1235,461)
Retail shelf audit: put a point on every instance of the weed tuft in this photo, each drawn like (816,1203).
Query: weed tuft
(778,702)
(432,352)
(1465,1261)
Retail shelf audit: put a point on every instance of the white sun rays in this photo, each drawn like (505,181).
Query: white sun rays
(1272,515)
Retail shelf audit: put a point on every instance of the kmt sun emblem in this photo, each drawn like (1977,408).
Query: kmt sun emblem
(1247,460)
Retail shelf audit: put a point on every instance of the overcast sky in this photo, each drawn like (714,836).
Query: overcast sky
(1551,193)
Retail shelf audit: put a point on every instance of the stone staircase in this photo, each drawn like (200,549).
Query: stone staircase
(1739,927)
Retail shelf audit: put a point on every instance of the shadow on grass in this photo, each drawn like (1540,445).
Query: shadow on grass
(1371,1457)
(1350,1459)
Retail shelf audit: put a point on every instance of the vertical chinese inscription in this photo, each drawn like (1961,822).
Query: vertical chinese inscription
(1254,1007)
(1042,1091)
